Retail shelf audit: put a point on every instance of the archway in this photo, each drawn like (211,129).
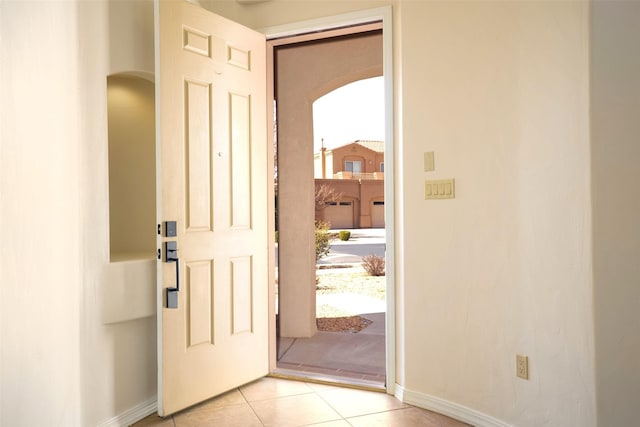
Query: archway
(303,72)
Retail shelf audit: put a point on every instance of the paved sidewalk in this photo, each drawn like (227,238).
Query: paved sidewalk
(362,236)
(352,303)
(356,357)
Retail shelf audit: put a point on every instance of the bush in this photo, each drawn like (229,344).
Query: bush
(277,236)
(344,235)
(323,239)
(373,265)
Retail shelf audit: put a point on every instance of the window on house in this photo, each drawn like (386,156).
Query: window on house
(381,166)
(354,166)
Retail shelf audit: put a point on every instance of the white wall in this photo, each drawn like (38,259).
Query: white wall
(40,178)
(499,91)
(615,125)
(60,364)
(118,359)
(278,12)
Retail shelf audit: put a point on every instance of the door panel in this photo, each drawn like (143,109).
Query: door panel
(199,173)
(240,113)
(213,179)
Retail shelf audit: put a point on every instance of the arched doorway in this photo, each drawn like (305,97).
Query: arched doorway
(305,71)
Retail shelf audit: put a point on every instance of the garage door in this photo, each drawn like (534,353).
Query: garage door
(377,215)
(339,214)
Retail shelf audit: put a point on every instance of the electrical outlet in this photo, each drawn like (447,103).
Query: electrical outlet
(522,367)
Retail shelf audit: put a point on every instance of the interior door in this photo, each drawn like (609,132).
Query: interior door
(212,178)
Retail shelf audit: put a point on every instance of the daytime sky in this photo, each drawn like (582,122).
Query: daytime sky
(354,111)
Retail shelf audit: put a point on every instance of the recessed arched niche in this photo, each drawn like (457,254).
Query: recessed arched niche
(132,174)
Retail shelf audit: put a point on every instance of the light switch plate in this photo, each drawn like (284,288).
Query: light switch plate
(429,165)
(440,189)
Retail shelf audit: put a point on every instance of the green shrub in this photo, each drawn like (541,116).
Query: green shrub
(276,236)
(344,235)
(373,265)
(323,239)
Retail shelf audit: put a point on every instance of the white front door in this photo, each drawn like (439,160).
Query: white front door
(212,180)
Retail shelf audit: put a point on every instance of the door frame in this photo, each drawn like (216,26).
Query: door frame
(384,15)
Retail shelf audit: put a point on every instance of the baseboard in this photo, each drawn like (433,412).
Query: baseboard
(132,415)
(450,409)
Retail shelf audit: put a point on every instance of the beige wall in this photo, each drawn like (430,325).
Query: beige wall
(41,250)
(615,109)
(499,91)
(61,364)
(260,15)
(132,172)
(118,346)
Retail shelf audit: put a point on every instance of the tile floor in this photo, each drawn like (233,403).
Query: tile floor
(277,402)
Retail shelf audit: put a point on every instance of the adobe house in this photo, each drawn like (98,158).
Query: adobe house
(356,172)
(531,106)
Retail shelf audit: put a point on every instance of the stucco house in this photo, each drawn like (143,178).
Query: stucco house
(355,171)
(531,106)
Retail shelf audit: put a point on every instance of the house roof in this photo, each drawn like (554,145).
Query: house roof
(377,146)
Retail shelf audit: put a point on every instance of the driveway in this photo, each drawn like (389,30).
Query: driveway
(363,242)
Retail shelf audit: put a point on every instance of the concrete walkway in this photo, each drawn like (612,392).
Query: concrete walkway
(357,358)
(352,303)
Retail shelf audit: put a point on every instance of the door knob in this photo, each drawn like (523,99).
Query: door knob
(171,255)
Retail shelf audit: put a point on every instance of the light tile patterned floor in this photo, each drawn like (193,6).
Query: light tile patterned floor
(281,403)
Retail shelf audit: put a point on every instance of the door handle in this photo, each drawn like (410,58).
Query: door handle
(171,251)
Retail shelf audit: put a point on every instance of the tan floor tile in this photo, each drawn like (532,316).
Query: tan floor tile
(352,403)
(227,416)
(339,423)
(297,410)
(407,417)
(269,388)
(323,387)
(233,397)
(154,420)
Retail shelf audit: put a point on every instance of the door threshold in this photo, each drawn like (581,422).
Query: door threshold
(354,383)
